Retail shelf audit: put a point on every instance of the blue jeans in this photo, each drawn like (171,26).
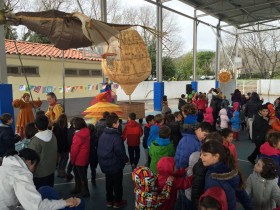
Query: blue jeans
(49,193)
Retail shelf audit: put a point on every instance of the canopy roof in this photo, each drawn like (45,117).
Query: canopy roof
(239,13)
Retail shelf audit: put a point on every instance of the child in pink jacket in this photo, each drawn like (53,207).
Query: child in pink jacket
(208,115)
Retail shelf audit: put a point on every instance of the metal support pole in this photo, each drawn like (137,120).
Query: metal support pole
(195,23)
(103,8)
(3,65)
(217,68)
(63,81)
(236,55)
(159,44)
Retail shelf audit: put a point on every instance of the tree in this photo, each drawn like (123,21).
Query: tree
(168,68)
(204,61)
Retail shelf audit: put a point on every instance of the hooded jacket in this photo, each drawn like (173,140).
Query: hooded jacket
(99,127)
(165,168)
(80,148)
(232,150)
(218,194)
(160,148)
(176,134)
(181,103)
(201,103)
(223,118)
(132,133)
(235,121)
(276,124)
(220,175)
(45,144)
(264,193)
(208,116)
(153,134)
(7,139)
(187,145)
(252,106)
(111,151)
(146,194)
(260,129)
(17,187)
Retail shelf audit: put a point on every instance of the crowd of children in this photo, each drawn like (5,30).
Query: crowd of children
(190,158)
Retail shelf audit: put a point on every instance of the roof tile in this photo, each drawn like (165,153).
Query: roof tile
(44,50)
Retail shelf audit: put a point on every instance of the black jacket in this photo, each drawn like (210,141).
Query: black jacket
(181,103)
(111,151)
(176,134)
(7,139)
(260,129)
(252,106)
(61,138)
(99,127)
(199,173)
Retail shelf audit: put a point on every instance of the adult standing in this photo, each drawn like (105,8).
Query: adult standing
(25,115)
(236,96)
(251,109)
(55,109)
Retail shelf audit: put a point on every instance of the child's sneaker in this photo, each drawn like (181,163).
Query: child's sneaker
(110,204)
(119,204)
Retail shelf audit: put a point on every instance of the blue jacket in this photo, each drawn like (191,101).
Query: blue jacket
(111,151)
(235,121)
(187,145)
(7,139)
(190,119)
(221,175)
(162,142)
(153,134)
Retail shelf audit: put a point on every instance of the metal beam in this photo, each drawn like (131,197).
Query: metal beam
(233,9)
(187,16)
(218,54)
(103,8)
(194,45)
(159,44)
(3,65)
(207,5)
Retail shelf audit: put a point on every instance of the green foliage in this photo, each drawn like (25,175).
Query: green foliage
(168,68)
(204,60)
(34,37)
(10,33)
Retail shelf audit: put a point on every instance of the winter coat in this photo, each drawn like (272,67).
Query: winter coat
(252,106)
(218,194)
(17,187)
(187,145)
(153,133)
(198,182)
(165,110)
(61,138)
(165,168)
(99,127)
(111,151)
(132,133)
(235,121)
(201,104)
(232,150)
(45,144)
(146,194)
(7,139)
(264,193)
(224,120)
(176,134)
(160,148)
(70,134)
(146,135)
(80,148)
(276,124)
(236,97)
(190,119)
(208,116)
(260,128)
(93,158)
(220,175)
(181,103)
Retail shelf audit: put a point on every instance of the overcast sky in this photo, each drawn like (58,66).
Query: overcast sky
(206,37)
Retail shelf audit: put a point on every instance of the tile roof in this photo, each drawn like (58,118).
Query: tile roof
(44,50)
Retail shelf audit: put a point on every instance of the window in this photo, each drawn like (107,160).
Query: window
(17,71)
(83,73)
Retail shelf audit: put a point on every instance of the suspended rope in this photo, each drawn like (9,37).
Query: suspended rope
(22,69)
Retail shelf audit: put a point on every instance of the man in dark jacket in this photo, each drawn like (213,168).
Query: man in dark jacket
(251,109)
(112,159)
(182,101)
(100,125)
(260,129)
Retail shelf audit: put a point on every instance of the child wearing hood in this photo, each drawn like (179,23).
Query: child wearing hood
(146,192)
(161,147)
(262,185)
(235,121)
(224,120)
(208,115)
(166,168)
(214,198)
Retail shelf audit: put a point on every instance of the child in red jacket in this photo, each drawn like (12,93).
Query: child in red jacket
(227,135)
(166,168)
(214,198)
(79,156)
(132,133)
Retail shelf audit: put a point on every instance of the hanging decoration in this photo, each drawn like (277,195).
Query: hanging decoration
(224,76)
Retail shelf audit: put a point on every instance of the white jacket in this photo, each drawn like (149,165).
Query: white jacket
(223,118)
(16,187)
